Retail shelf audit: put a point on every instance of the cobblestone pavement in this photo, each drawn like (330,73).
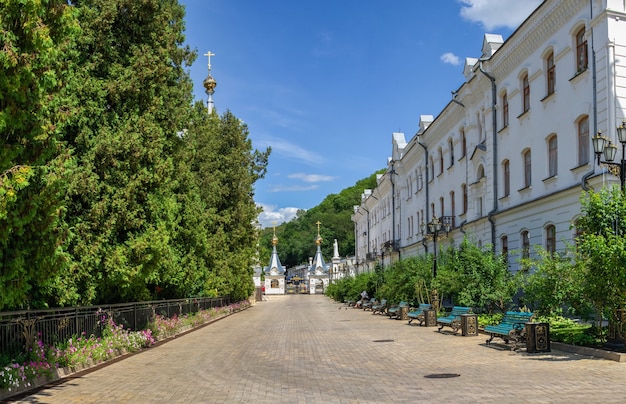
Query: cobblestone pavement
(309,349)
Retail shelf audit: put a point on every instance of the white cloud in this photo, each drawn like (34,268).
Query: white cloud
(291,150)
(450,58)
(498,13)
(293,188)
(311,177)
(272,215)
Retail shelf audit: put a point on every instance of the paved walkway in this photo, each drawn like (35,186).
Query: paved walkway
(309,349)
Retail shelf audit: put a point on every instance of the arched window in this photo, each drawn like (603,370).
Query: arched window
(452,207)
(432,168)
(581,51)
(504,247)
(525,94)
(583,141)
(464,191)
(553,154)
(550,74)
(525,244)
(463,143)
(440,160)
(441,205)
(451,152)
(527,168)
(480,173)
(505,110)
(506,177)
(551,239)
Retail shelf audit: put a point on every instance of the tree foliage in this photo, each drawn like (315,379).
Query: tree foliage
(114,186)
(552,283)
(36,75)
(601,249)
(476,277)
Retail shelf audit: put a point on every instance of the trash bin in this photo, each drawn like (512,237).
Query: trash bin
(469,325)
(430,318)
(403,313)
(537,337)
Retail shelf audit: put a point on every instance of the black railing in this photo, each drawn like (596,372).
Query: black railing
(20,329)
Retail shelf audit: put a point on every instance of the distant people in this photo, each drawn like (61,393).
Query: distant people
(364,298)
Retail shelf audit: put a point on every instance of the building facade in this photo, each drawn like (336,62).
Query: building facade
(509,157)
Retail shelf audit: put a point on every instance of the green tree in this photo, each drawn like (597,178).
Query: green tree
(551,282)
(476,277)
(135,98)
(601,249)
(36,97)
(297,237)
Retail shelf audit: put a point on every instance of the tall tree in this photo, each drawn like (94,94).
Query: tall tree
(601,251)
(134,101)
(36,97)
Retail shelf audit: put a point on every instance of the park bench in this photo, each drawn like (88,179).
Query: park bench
(512,328)
(453,320)
(367,305)
(418,314)
(394,311)
(379,308)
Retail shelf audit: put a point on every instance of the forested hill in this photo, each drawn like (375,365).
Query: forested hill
(296,239)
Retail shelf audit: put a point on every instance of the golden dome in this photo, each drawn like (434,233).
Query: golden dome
(209,84)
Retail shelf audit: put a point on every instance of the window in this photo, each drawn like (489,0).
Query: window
(441,205)
(578,232)
(504,243)
(552,156)
(583,141)
(551,239)
(463,144)
(581,51)
(525,244)
(505,111)
(506,172)
(451,152)
(452,207)
(432,168)
(464,191)
(526,94)
(527,169)
(480,173)
(440,161)
(550,73)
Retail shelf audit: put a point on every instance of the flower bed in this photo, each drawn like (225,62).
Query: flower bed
(44,363)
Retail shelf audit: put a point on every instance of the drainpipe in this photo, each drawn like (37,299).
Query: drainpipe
(583,182)
(393,209)
(427,198)
(494,123)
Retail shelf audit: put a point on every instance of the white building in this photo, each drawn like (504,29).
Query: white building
(506,161)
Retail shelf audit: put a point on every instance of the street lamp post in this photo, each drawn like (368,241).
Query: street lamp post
(603,146)
(433,230)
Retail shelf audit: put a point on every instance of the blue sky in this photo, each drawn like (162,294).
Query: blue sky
(326,82)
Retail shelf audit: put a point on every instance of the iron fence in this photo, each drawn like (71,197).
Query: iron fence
(20,329)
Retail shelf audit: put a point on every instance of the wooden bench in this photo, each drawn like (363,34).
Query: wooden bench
(367,305)
(418,314)
(379,308)
(453,320)
(394,311)
(511,328)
